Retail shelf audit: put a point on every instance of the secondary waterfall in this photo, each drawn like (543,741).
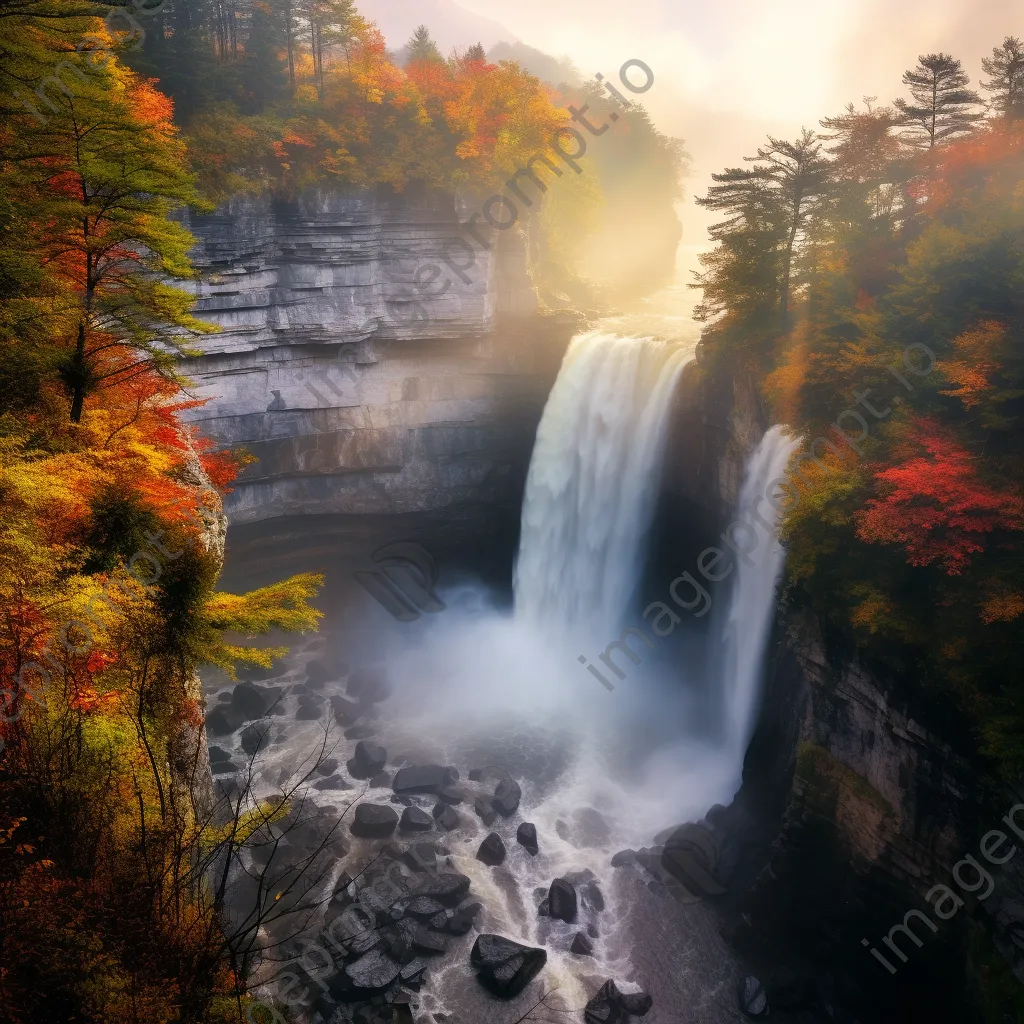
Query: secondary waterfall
(593,481)
(748,619)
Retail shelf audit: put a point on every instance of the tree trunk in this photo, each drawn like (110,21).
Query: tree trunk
(79,377)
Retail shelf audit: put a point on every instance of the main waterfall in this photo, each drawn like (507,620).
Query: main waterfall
(593,482)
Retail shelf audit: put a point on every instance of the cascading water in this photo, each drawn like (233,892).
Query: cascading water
(593,481)
(751,606)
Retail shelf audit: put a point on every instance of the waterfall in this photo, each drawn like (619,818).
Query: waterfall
(750,611)
(593,481)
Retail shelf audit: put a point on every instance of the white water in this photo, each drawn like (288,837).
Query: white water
(593,482)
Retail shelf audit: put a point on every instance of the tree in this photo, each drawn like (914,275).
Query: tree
(116,172)
(476,52)
(421,47)
(769,205)
(1005,69)
(942,108)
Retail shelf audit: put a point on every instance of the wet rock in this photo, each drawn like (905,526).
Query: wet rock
(307,713)
(368,760)
(223,720)
(691,855)
(485,809)
(328,767)
(462,920)
(335,782)
(506,797)
(423,778)
(610,1006)
(581,945)
(382,781)
(562,900)
(424,906)
(358,732)
(374,821)
(505,967)
(415,819)
(447,887)
(219,754)
(373,972)
(223,767)
(448,819)
(317,673)
(420,856)
(426,941)
(476,774)
(346,711)
(253,738)
(752,997)
(250,701)
(492,851)
(451,795)
(526,837)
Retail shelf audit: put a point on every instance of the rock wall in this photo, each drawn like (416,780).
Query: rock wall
(860,793)
(372,355)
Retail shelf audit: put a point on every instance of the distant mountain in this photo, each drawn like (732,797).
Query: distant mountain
(553,70)
(450,25)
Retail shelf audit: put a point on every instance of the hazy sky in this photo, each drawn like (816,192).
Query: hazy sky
(729,71)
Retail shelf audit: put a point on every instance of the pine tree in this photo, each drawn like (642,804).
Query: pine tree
(1005,68)
(476,52)
(768,206)
(942,107)
(421,47)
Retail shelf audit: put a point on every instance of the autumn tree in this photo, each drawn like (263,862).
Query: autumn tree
(942,107)
(1005,69)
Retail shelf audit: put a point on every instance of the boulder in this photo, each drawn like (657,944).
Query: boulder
(448,819)
(623,857)
(250,701)
(253,738)
(451,795)
(422,778)
(485,809)
(691,855)
(526,837)
(424,906)
(374,821)
(415,819)
(426,941)
(492,851)
(328,767)
(307,713)
(447,887)
(610,1006)
(368,760)
(505,967)
(562,902)
(346,711)
(581,945)
(373,972)
(223,720)
(368,685)
(752,997)
(506,797)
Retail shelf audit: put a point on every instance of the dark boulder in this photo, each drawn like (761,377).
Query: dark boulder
(448,888)
(344,710)
(752,997)
(581,945)
(422,778)
(373,972)
(562,901)
(328,767)
(223,720)
(254,738)
(415,819)
(492,851)
(506,797)
(448,819)
(368,760)
(426,941)
(335,782)
(610,1006)
(485,809)
(368,685)
(250,701)
(691,855)
(505,967)
(374,821)
(424,906)
(451,795)
(526,837)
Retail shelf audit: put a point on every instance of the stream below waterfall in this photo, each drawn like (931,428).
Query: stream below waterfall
(493,678)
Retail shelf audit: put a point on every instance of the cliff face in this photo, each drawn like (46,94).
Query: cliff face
(373,356)
(860,794)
